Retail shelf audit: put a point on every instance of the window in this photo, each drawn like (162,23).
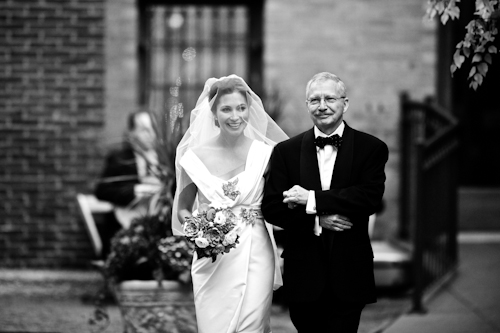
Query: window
(182,46)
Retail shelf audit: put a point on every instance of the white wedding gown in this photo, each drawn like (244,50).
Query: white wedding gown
(234,293)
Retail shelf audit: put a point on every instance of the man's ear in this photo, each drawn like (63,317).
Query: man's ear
(346,105)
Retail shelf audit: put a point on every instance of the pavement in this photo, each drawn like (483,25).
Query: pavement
(470,302)
(44,301)
(63,301)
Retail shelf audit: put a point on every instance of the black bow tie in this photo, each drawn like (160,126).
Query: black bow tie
(333,140)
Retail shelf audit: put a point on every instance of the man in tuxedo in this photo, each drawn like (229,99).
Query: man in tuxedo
(127,181)
(321,189)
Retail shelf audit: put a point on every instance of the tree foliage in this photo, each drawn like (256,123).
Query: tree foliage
(481,32)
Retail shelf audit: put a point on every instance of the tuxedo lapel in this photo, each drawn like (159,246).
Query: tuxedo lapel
(343,163)
(309,171)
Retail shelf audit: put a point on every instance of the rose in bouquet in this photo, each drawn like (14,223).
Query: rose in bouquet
(213,230)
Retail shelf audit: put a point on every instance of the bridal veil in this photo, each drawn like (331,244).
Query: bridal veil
(202,127)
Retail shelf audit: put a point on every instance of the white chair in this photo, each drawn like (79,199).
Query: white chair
(90,205)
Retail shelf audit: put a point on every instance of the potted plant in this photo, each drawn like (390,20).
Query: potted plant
(148,269)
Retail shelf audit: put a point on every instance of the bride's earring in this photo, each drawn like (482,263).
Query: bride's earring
(216,122)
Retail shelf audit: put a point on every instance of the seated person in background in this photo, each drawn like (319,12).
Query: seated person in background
(127,180)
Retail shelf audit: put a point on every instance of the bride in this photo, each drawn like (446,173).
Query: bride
(230,139)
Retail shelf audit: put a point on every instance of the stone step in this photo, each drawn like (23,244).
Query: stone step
(391,264)
(56,283)
(479,209)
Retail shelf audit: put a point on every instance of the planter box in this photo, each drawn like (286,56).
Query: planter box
(148,307)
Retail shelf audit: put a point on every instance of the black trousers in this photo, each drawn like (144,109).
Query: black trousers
(326,314)
(107,226)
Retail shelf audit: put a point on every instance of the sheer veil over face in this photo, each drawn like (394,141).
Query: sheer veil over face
(202,128)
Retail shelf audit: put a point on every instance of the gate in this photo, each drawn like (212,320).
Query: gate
(429,175)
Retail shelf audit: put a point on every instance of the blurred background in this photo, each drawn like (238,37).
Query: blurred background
(71,71)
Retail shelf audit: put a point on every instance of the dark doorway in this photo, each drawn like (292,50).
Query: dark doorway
(478,111)
(479,115)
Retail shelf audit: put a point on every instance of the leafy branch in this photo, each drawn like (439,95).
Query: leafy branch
(479,37)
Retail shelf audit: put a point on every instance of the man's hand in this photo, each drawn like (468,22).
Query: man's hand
(297,195)
(335,222)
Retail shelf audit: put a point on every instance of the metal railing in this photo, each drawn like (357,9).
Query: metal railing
(429,175)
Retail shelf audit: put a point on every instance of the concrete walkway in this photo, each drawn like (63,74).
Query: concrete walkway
(470,303)
(58,301)
(41,301)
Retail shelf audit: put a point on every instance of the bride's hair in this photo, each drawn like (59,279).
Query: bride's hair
(227,86)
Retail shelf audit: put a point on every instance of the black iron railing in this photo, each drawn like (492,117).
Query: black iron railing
(429,174)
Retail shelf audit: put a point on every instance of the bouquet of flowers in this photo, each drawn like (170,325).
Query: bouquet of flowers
(213,230)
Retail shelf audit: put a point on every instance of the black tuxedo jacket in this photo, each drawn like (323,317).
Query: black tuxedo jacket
(118,178)
(335,262)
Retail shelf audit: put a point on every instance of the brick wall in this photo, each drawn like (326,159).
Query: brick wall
(378,47)
(51,107)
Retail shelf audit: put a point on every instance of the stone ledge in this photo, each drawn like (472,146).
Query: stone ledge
(36,275)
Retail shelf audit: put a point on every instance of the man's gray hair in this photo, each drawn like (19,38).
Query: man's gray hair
(325,76)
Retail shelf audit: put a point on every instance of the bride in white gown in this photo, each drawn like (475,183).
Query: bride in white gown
(230,138)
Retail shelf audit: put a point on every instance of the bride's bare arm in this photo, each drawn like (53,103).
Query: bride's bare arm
(186,200)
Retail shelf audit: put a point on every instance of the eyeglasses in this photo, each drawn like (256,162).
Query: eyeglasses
(316,101)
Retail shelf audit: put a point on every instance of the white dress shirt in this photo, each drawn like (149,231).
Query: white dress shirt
(326,162)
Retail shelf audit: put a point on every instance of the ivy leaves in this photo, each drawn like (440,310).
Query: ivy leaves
(478,44)
(478,41)
(445,8)
(479,68)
